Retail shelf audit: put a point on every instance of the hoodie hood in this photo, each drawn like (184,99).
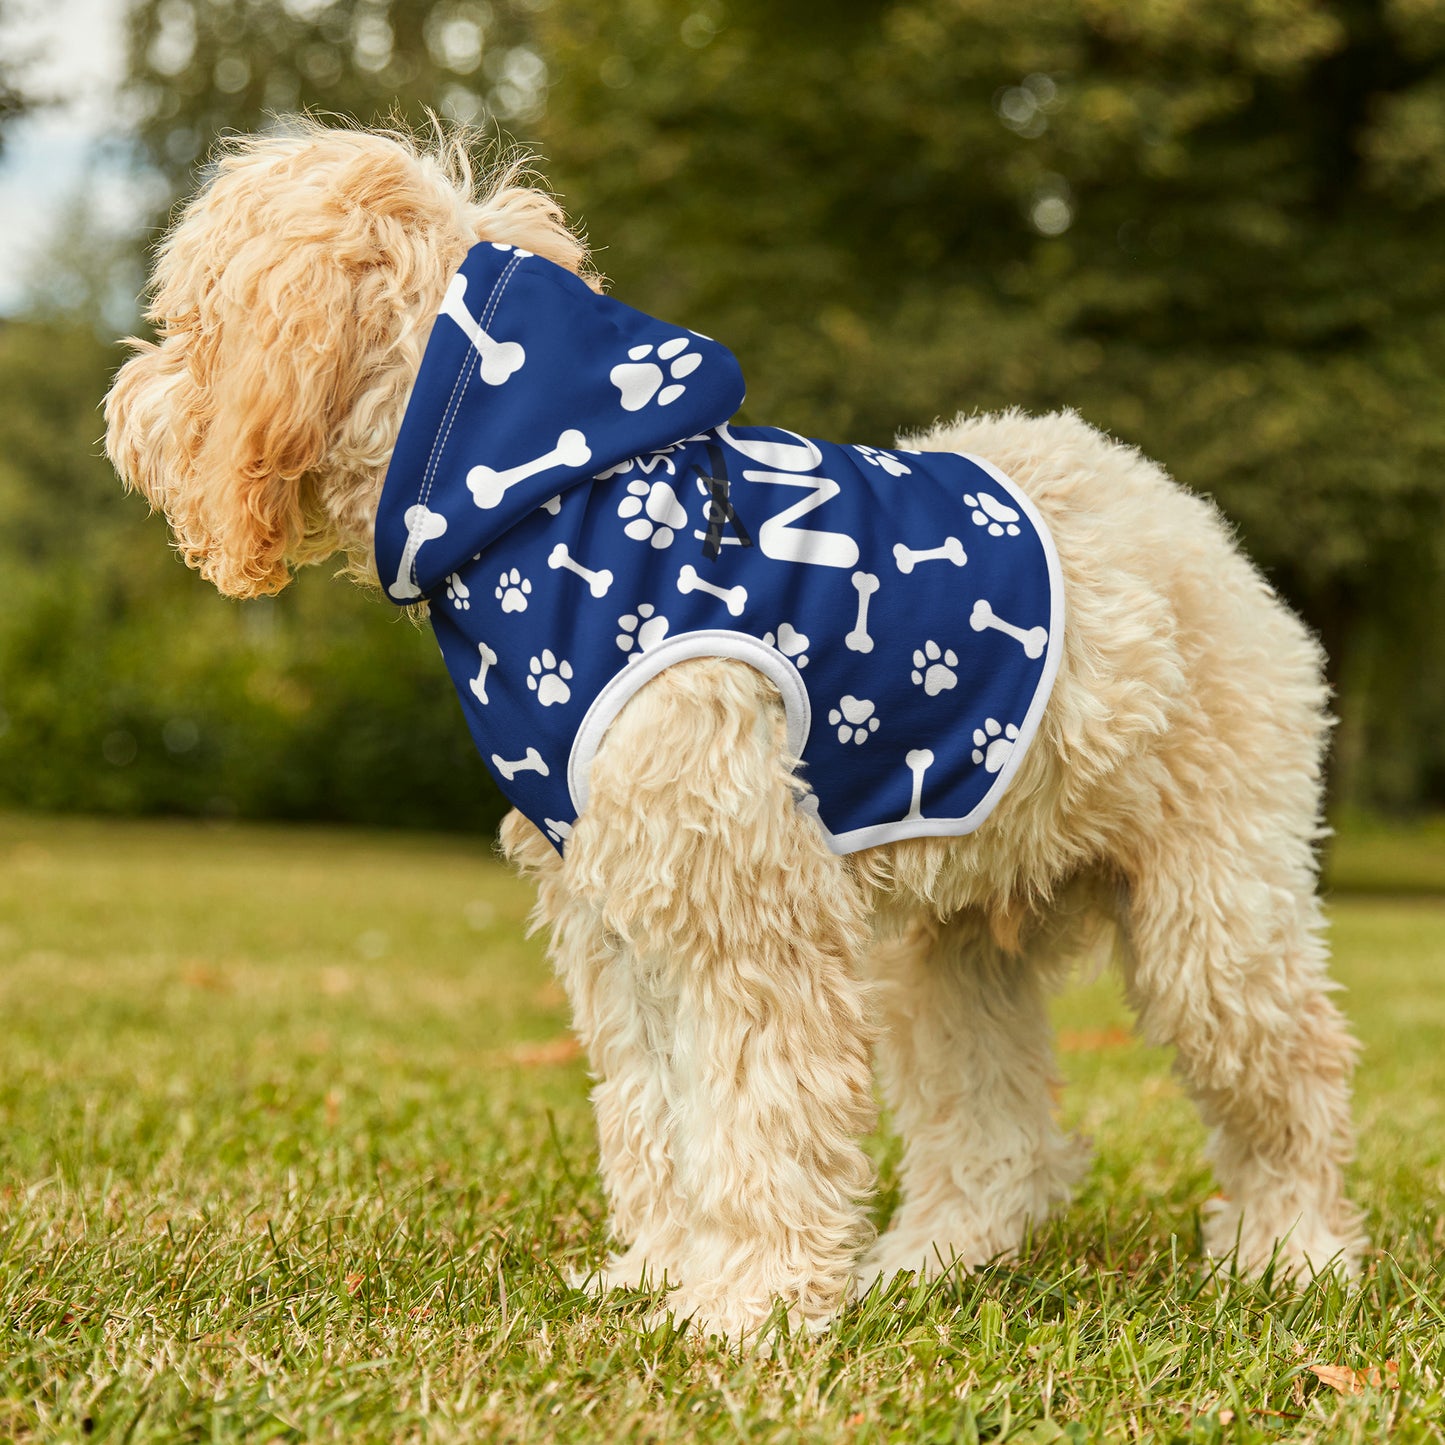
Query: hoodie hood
(554,385)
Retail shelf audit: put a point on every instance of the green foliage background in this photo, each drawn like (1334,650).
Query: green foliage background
(1214,227)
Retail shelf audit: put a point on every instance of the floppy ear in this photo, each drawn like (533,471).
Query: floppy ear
(221,423)
(145,418)
(294,297)
(273,362)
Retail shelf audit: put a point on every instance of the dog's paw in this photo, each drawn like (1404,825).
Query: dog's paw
(640,380)
(751,1324)
(634,1270)
(1296,1246)
(895,466)
(790,642)
(896,1254)
(458,593)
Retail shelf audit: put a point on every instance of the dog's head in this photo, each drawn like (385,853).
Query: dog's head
(292,301)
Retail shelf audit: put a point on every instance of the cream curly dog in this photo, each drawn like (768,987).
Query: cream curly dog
(730,976)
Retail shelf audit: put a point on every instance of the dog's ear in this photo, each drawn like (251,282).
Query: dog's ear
(293,300)
(222,422)
(275,357)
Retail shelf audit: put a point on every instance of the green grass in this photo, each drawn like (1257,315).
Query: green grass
(290,1149)
(1370,855)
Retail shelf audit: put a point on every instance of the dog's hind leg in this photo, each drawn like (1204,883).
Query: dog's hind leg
(697,858)
(966,1063)
(1227,964)
(1226,959)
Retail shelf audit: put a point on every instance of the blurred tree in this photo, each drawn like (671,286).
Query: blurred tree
(1214,226)
(202,67)
(1217,229)
(14,101)
(127,685)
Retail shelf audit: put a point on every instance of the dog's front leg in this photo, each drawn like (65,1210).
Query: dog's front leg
(622,1011)
(743,931)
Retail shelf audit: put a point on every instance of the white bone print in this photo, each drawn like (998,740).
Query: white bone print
(489,486)
(919,761)
(478,684)
(422,525)
(736,598)
(858,640)
(1034,639)
(908,558)
(531,763)
(597,582)
(500,359)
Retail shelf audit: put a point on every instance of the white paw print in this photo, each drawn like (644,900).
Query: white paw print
(557,831)
(513,590)
(656,512)
(854,718)
(991,513)
(547,677)
(790,642)
(641,629)
(640,380)
(890,463)
(933,668)
(992,743)
(458,593)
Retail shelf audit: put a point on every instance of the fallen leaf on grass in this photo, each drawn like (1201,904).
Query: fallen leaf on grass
(196,974)
(354,1283)
(1087,1041)
(551,1051)
(1355,1382)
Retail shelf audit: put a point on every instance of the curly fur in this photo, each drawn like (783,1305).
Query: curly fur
(729,976)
